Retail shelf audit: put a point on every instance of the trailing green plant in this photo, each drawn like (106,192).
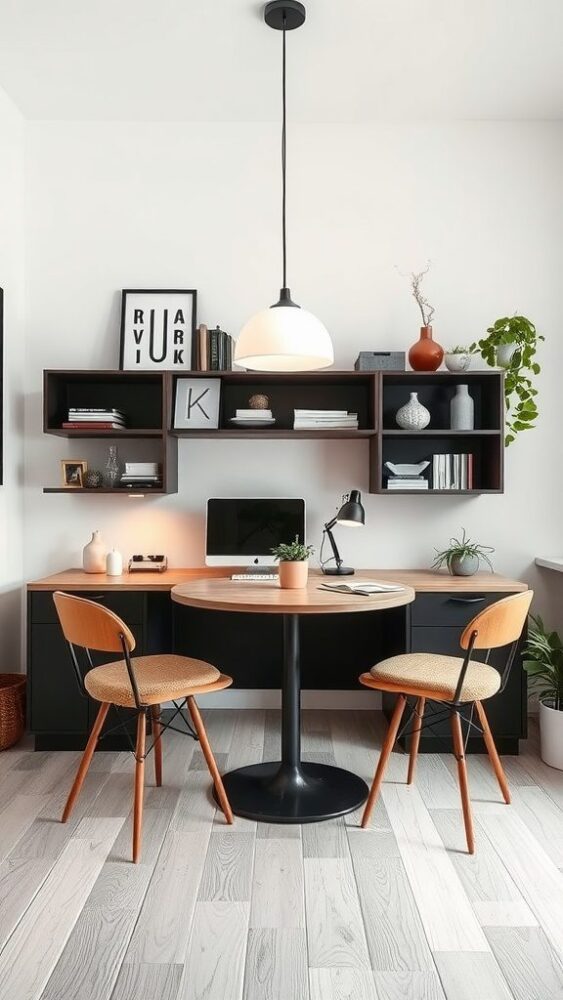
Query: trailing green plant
(462,548)
(543,661)
(519,392)
(294,552)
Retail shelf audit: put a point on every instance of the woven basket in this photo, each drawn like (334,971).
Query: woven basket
(12,709)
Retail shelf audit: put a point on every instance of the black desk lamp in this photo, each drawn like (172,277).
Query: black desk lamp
(351,515)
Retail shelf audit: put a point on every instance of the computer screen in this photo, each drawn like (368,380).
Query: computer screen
(243,531)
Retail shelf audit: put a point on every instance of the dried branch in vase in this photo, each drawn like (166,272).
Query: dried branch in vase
(426,310)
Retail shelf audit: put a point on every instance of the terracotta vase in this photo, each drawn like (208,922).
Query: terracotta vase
(426,355)
(293,575)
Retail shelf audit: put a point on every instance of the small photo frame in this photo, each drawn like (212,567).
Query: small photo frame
(73,471)
(157,329)
(197,402)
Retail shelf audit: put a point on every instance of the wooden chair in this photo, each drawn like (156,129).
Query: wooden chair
(459,685)
(142,683)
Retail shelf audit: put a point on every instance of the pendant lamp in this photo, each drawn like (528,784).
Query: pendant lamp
(284,338)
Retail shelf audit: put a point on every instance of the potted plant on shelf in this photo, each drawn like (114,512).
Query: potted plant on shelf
(463,557)
(543,661)
(512,344)
(293,564)
(458,359)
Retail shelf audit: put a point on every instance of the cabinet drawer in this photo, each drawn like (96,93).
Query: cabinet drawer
(450,609)
(128,604)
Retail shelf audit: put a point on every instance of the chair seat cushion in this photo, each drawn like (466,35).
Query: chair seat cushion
(438,674)
(159,678)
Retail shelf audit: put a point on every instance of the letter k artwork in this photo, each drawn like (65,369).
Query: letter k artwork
(192,402)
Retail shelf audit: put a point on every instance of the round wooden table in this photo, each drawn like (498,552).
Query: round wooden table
(289,790)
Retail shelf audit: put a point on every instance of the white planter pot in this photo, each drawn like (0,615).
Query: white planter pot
(551,736)
(505,353)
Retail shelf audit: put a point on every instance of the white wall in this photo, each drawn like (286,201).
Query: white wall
(12,281)
(132,205)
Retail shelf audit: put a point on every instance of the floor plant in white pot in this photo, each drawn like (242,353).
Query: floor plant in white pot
(543,662)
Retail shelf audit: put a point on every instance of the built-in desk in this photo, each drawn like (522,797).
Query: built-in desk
(334,649)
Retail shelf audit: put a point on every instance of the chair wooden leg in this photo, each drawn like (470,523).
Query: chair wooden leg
(139,784)
(384,757)
(210,759)
(492,752)
(415,738)
(157,740)
(459,751)
(86,760)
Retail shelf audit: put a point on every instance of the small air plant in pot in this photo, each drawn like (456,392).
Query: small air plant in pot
(458,358)
(294,564)
(463,557)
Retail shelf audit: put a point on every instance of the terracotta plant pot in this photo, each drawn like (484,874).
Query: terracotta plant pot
(425,355)
(293,575)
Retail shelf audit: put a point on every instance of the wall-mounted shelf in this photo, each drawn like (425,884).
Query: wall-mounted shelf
(148,397)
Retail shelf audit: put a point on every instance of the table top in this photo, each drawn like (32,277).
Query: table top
(269,598)
(421,580)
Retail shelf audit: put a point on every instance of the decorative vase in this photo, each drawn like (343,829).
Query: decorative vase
(413,416)
(112,466)
(114,563)
(293,575)
(462,417)
(551,735)
(426,355)
(94,555)
(505,353)
(464,565)
(457,362)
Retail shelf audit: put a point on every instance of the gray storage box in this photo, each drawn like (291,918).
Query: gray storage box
(375,361)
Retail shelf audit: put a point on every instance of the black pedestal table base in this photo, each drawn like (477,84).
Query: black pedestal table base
(292,790)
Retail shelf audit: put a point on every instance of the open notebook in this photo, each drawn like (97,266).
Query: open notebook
(363,587)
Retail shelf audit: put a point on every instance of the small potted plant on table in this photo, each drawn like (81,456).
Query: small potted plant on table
(463,557)
(543,660)
(293,564)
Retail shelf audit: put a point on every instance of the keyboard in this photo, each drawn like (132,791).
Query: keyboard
(254,577)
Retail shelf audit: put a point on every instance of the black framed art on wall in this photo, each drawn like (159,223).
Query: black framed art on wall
(157,328)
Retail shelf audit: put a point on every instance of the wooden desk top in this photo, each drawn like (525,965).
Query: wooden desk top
(269,598)
(422,581)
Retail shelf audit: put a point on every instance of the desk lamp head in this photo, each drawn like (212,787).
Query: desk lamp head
(350,515)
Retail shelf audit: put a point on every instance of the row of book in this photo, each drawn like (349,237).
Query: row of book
(452,472)
(212,350)
(322,420)
(84,418)
(145,475)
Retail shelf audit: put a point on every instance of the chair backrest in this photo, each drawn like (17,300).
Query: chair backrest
(88,624)
(499,624)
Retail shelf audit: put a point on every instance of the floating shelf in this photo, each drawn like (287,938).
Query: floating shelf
(105,491)
(279,432)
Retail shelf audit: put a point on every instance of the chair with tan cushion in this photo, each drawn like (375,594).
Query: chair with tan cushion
(459,684)
(143,683)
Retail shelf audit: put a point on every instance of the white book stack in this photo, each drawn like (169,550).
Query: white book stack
(406,475)
(452,472)
(253,414)
(321,420)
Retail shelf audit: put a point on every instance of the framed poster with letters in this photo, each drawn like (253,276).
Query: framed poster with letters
(157,328)
(196,406)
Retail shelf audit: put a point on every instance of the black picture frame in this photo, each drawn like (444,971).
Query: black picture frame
(177,356)
(1,386)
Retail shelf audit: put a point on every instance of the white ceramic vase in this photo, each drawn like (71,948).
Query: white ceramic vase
(413,416)
(551,736)
(457,362)
(94,555)
(462,417)
(114,563)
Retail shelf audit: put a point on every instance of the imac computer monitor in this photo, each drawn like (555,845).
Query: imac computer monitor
(242,532)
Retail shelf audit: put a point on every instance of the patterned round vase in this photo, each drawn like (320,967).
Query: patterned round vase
(413,416)
(426,355)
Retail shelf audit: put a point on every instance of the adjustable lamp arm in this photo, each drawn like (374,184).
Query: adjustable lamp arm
(328,529)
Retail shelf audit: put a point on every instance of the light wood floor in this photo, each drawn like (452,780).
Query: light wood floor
(323,912)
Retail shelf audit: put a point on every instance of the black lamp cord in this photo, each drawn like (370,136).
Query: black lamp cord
(283,156)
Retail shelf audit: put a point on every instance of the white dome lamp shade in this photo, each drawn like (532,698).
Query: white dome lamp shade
(284,338)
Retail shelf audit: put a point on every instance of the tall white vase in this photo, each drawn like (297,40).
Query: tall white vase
(94,555)
(462,417)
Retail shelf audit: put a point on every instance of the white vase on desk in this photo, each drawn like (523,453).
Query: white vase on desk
(114,563)
(94,555)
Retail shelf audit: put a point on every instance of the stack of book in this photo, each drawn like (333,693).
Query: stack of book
(252,417)
(407,482)
(88,418)
(324,420)
(141,475)
(452,472)
(212,350)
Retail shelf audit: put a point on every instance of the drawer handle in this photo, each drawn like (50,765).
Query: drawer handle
(467,600)
(97,597)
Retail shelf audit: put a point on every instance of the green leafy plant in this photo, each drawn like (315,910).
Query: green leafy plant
(519,392)
(459,349)
(294,552)
(462,548)
(543,661)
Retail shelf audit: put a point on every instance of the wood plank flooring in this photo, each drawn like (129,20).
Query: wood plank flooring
(267,912)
